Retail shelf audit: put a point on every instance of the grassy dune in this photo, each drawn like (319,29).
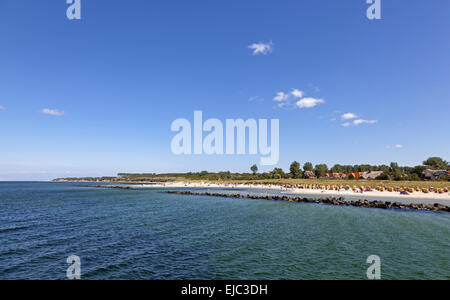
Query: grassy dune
(366,183)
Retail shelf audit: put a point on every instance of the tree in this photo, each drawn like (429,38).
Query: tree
(414,177)
(436,163)
(384,176)
(394,167)
(320,170)
(365,168)
(308,167)
(348,169)
(337,169)
(384,168)
(407,170)
(254,169)
(278,173)
(266,175)
(398,174)
(419,170)
(295,170)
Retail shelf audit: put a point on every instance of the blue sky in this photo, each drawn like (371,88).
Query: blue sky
(114,81)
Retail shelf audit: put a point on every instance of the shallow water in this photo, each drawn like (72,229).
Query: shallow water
(148,234)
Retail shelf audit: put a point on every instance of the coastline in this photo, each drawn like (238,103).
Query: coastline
(296,191)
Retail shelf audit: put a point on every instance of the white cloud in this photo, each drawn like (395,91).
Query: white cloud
(349,116)
(52,112)
(361,121)
(261,48)
(280,97)
(295,99)
(297,93)
(309,102)
(2,107)
(398,146)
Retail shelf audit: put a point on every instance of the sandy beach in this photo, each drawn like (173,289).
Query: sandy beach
(296,191)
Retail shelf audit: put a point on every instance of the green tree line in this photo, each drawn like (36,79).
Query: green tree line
(390,172)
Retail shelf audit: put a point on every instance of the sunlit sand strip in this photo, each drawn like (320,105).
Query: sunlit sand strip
(342,192)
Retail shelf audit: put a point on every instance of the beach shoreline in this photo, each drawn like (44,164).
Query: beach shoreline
(298,191)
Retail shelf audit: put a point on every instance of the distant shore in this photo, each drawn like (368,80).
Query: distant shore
(300,191)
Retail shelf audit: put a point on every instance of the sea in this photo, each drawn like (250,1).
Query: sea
(147,234)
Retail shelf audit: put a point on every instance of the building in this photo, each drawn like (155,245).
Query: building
(356,175)
(435,174)
(309,175)
(335,175)
(372,174)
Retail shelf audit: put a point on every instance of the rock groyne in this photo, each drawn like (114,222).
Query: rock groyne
(328,200)
(106,186)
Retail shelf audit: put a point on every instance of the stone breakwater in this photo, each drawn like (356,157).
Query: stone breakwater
(329,200)
(106,187)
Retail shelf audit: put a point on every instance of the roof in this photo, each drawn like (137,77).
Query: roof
(372,174)
(309,174)
(355,174)
(335,175)
(428,173)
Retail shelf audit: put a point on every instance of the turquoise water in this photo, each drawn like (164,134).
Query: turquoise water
(147,234)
